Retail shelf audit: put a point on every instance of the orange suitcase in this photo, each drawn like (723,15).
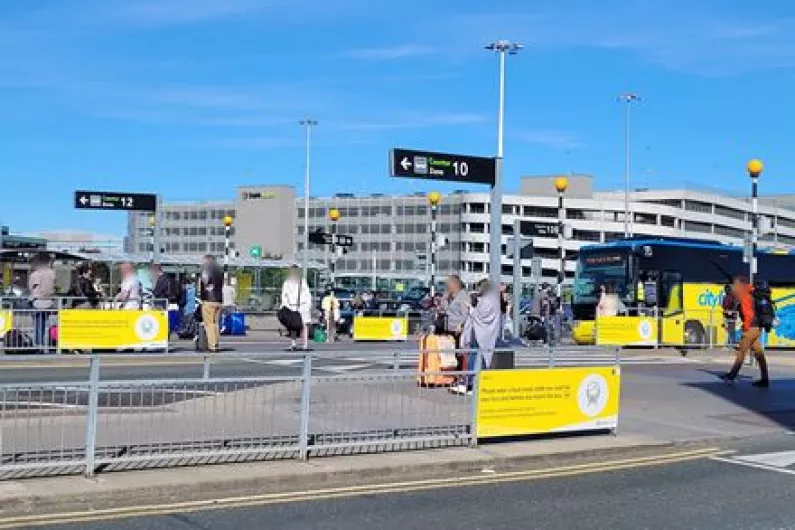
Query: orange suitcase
(431,347)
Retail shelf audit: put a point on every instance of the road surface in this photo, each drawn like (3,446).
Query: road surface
(749,488)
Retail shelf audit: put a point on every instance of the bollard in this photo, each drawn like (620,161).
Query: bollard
(206,367)
(92,414)
(476,370)
(306,396)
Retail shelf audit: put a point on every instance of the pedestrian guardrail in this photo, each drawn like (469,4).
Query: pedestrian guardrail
(304,409)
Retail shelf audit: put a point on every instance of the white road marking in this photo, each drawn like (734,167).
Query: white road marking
(780,459)
(737,462)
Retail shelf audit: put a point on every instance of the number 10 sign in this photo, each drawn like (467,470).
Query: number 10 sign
(410,163)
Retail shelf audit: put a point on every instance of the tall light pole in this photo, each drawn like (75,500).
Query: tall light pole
(227,234)
(755,168)
(561,183)
(628,98)
(307,123)
(334,216)
(152,228)
(501,48)
(434,198)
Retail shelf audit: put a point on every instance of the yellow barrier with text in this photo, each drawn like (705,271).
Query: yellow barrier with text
(627,331)
(6,322)
(380,328)
(525,402)
(92,329)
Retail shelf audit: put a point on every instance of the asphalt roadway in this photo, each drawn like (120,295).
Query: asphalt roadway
(749,486)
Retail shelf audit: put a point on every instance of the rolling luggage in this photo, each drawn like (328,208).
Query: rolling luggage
(201,339)
(437,353)
(16,342)
(188,328)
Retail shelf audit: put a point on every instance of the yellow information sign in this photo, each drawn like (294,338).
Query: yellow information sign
(93,329)
(626,331)
(6,322)
(380,328)
(524,402)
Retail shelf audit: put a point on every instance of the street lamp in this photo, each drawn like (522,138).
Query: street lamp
(334,216)
(561,183)
(501,48)
(434,198)
(227,232)
(307,123)
(152,227)
(755,168)
(628,98)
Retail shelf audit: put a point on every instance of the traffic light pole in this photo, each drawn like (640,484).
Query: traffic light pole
(517,275)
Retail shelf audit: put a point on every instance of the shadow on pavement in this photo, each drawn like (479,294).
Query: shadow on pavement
(769,407)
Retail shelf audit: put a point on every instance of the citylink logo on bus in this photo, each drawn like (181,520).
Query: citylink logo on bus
(708,298)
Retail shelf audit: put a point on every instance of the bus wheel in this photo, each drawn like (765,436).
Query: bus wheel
(694,335)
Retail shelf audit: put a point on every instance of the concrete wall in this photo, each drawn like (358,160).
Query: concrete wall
(265,216)
(543,186)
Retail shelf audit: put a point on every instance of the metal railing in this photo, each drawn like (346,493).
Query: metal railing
(304,409)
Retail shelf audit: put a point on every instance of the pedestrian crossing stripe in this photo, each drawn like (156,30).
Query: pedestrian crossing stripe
(779,462)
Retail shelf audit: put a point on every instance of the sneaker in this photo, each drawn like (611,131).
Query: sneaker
(458,389)
(762,383)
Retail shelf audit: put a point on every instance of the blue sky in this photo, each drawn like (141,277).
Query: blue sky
(189,98)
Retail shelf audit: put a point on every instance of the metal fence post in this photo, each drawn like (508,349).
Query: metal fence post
(59,306)
(476,370)
(396,361)
(306,396)
(206,367)
(92,414)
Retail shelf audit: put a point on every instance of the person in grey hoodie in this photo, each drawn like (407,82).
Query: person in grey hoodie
(41,285)
(454,308)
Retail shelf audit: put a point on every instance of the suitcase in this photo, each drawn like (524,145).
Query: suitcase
(201,339)
(431,360)
(236,324)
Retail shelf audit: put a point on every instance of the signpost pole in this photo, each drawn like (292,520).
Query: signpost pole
(308,124)
(517,275)
(433,199)
(227,233)
(334,216)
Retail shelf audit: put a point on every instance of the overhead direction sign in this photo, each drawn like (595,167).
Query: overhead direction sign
(320,237)
(448,167)
(114,200)
(534,229)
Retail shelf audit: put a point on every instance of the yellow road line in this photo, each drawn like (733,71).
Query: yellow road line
(353,491)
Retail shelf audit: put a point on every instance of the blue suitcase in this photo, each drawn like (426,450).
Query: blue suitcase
(233,324)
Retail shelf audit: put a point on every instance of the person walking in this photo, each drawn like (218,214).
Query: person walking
(211,285)
(331,314)
(41,285)
(751,333)
(296,308)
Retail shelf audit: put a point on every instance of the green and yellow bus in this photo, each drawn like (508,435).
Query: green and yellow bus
(672,291)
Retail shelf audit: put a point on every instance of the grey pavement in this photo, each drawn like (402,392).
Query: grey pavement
(701,493)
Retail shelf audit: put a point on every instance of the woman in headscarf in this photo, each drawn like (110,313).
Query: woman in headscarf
(297,297)
(482,328)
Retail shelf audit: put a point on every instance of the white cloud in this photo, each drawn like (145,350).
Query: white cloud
(391,53)
(552,139)
(414,120)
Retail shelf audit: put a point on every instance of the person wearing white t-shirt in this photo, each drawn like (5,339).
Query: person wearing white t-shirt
(129,296)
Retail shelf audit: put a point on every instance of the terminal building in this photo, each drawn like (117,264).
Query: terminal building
(392,233)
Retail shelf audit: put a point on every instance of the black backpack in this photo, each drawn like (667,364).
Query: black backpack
(764,307)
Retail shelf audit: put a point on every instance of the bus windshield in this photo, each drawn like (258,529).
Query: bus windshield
(596,270)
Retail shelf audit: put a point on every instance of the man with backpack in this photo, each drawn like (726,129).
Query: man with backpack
(757,314)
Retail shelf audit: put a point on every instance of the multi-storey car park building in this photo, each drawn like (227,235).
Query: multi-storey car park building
(392,233)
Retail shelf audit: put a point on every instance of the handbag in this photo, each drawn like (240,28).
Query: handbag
(290,318)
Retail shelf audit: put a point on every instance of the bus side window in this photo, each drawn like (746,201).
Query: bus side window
(671,292)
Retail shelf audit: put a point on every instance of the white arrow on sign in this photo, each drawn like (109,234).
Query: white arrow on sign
(405,163)
(83,200)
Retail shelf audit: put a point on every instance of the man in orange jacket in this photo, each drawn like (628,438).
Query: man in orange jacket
(752,332)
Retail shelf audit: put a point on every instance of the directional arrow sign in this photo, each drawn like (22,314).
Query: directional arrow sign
(115,200)
(410,163)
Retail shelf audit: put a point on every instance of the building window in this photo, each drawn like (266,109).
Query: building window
(586,235)
(697,206)
(789,223)
(729,232)
(613,236)
(508,209)
(537,211)
(477,228)
(668,221)
(692,226)
(422,210)
(645,219)
(729,212)
(477,207)
(422,229)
